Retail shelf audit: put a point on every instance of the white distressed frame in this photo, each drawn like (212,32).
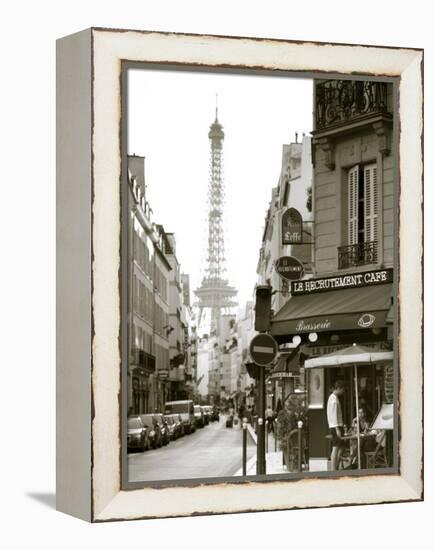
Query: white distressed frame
(102,485)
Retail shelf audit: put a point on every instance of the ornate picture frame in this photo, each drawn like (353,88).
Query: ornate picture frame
(89,286)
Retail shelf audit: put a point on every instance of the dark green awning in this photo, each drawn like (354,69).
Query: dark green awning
(347,309)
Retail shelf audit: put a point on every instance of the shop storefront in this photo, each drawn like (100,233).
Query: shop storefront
(329,314)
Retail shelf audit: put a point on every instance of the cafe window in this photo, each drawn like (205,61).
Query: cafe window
(362,204)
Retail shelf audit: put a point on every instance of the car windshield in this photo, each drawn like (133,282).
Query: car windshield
(147,420)
(134,423)
(158,417)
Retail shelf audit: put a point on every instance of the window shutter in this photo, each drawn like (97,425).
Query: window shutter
(353,201)
(371,202)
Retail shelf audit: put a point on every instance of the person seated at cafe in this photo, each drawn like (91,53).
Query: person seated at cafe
(365,443)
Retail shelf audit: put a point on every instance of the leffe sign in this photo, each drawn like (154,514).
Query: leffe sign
(292,227)
(353,280)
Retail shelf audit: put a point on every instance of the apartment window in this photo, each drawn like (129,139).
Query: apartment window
(362,204)
(362,217)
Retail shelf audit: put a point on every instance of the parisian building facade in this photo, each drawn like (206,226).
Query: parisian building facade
(347,298)
(156,310)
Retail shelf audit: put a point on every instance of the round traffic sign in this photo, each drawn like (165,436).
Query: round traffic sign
(263,349)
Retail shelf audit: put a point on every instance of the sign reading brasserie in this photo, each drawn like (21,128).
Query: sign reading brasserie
(292,227)
(353,280)
(289,268)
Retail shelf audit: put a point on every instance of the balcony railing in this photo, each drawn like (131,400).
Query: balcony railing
(357,254)
(340,101)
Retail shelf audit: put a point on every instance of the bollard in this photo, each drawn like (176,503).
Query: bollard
(300,427)
(266,436)
(275,434)
(260,465)
(244,446)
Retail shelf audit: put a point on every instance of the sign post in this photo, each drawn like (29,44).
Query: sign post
(263,351)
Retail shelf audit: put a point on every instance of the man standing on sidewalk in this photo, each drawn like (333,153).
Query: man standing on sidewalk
(335,422)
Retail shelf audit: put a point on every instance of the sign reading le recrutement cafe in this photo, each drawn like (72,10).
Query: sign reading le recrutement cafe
(352,280)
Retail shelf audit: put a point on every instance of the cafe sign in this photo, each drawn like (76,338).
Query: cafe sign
(289,268)
(292,227)
(353,280)
(327,323)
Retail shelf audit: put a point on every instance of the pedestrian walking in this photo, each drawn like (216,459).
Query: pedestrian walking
(335,422)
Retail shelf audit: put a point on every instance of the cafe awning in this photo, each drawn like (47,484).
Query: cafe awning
(345,309)
(287,365)
(348,357)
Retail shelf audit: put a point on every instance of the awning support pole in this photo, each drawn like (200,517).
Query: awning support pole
(357,416)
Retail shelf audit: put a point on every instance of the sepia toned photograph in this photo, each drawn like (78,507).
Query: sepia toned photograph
(258,276)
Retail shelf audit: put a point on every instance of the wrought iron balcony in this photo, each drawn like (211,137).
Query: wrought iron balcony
(357,254)
(340,101)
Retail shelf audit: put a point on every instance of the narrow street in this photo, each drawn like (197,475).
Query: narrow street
(212,451)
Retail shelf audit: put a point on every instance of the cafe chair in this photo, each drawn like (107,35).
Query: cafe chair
(344,461)
(377,458)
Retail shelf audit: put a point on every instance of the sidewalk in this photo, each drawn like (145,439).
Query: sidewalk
(274,459)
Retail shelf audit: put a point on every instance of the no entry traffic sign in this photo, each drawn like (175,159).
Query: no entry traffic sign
(263,349)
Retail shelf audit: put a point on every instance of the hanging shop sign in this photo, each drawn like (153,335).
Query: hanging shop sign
(353,280)
(289,268)
(292,227)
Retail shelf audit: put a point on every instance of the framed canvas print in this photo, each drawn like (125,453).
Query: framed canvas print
(239,276)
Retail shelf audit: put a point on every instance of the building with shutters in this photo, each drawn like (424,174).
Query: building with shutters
(293,191)
(350,295)
(148,299)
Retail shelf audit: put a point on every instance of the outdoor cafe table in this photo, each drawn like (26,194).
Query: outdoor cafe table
(352,437)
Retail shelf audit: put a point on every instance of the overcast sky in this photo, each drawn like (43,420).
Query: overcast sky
(169,118)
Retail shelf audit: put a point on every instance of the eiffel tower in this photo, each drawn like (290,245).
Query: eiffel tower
(215,294)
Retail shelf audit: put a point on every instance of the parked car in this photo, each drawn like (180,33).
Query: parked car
(164,428)
(206,418)
(198,416)
(185,409)
(171,426)
(179,424)
(154,433)
(137,435)
(209,412)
